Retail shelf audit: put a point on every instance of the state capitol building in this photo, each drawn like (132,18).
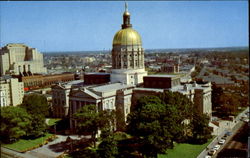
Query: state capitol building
(127,82)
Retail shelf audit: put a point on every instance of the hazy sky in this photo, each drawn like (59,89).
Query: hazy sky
(85,25)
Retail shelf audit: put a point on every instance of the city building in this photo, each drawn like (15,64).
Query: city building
(170,68)
(96,78)
(199,94)
(127,54)
(115,96)
(19,59)
(11,92)
(60,97)
(38,81)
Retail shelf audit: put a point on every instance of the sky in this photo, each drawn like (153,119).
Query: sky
(89,26)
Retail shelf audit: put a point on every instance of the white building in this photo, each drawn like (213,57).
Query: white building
(18,59)
(115,96)
(60,97)
(11,92)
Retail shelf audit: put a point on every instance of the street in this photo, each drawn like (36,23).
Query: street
(234,130)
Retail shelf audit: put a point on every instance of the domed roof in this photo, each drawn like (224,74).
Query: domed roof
(127,36)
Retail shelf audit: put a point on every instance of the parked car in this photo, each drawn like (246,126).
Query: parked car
(212,152)
(228,133)
(216,147)
(246,120)
(222,141)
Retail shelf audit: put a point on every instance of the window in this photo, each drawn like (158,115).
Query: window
(126,111)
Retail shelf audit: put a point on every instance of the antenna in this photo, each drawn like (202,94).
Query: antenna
(126,6)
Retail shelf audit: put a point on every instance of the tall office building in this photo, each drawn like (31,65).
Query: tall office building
(11,92)
(19,59)
(127,54)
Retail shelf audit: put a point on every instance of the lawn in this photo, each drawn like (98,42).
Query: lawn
(52,121)
(184,150)
(22,144)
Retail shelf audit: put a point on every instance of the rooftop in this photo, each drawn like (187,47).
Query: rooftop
(111,87)
(74,82)
(163,76)
(96,73)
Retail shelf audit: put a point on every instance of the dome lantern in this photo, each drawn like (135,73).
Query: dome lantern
(126,18)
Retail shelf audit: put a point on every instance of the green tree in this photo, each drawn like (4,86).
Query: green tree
(88,121)
(229,104)
(216,93)
(108,148)
(146,122)
(14,123)
(179,109)
(200,129)
(37,106)
(107,120)
(183,105)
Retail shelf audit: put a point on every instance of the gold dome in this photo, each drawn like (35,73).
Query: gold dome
(127,36)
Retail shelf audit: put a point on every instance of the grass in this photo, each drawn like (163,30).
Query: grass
(22,144)
(53,121)
(185,150)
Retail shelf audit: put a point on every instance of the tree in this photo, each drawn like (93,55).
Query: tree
(179,109)
(229,104)
(216,93)
(200,129)
(146,122)
(183,104)
(14,123)
(107,120)
(88,121)
(37,106)
(108,148)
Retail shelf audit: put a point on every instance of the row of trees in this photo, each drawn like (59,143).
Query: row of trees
(154,123)
(227,101)
(26,120)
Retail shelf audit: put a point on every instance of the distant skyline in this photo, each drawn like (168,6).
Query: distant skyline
(89,26)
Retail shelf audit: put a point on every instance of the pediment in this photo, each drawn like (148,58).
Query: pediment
(84,94)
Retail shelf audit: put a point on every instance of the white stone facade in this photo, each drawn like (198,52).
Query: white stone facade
(200,94)
(60,98)
(114,96)
(133,77)
(11,92)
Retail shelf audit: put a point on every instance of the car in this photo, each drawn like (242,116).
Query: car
(246,120)
(222,141)
(212,152)
(228,133)
(225,136)
(207,156)
(216,147)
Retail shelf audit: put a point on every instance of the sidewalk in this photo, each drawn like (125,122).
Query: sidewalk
(51,150)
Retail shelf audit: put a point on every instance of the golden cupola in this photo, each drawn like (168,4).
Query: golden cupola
(127,54)
(127,35)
